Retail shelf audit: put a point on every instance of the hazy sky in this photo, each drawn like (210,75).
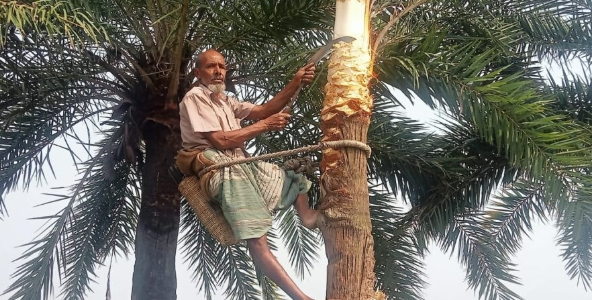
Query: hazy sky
(539,263)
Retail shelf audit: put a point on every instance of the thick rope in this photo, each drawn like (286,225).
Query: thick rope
(319,146)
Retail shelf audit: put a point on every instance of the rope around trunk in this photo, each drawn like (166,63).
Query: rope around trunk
(319,146)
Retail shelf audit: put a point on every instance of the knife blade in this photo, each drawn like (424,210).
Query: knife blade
(323,51)
(315,58)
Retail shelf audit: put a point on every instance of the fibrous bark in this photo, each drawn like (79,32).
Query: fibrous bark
(344,187)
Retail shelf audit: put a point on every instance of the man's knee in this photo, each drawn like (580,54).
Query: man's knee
(259,243)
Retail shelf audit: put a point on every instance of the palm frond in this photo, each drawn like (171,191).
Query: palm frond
(76,20)
(488,270)
(574,220)
(511,214)
(399,267)
(573,94)
(267,21)
(457,176)
(301,243)
(103,224)
(236,268)
(99,220)
(533,139)
(508,111)
(401,153)
(34,278)
(48,94)
(201,252)
(543,28)
(556,37)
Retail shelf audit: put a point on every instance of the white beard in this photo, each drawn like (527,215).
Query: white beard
(217,88)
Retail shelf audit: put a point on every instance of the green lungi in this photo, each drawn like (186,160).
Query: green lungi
(250,193)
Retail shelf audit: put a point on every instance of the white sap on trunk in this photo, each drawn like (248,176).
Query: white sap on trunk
(350,20)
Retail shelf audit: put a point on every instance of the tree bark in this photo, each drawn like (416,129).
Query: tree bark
(347,230)
(158,225)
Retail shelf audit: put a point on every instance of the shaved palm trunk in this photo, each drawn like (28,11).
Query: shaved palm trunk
(344,186)
(158,225)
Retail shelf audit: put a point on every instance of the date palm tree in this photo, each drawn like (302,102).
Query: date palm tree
(514,147)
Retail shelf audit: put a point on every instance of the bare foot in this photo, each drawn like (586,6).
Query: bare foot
(311,219)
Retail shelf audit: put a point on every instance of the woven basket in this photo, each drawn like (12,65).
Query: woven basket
(208,212)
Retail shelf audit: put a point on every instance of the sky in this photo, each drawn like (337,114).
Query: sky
(539,263)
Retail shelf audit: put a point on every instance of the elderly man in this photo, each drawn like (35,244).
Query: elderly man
(248,193)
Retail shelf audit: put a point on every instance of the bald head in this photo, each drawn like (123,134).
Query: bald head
(199,61)
(211,70)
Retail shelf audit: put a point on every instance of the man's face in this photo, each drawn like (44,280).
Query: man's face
(212,69)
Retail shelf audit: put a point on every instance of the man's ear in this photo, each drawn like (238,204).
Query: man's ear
(196,73)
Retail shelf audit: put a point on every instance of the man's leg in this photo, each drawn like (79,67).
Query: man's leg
(307,215)
(270,266)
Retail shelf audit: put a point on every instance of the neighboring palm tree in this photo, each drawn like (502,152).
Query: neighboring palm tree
(476,61)
(53,82)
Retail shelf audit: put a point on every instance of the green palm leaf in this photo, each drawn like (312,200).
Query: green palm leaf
(574,220)
(512,213)
(201,251)
(301,243)
(509,135)
(34,277)
(236,267)
(488,270)
(46,100)
(72,19)
(103,225)
(399,266)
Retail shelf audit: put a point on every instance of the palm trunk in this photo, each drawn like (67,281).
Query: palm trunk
(344,187)
(158,225)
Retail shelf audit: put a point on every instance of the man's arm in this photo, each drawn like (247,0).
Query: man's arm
(304,75)
(237,138)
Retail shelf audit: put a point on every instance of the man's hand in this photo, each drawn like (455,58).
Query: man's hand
(276,121)
(305,74)
(236,138)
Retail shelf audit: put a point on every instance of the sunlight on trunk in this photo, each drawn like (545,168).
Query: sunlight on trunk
(350,65)
(344,188)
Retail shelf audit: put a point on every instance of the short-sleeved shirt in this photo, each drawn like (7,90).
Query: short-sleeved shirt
(201,111)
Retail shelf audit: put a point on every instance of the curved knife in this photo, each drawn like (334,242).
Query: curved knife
(315,58)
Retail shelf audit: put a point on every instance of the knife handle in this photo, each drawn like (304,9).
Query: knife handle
(288,106)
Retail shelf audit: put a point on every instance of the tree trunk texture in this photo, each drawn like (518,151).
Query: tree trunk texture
(158,225)
(349,244)
(347,231)
(346,112)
